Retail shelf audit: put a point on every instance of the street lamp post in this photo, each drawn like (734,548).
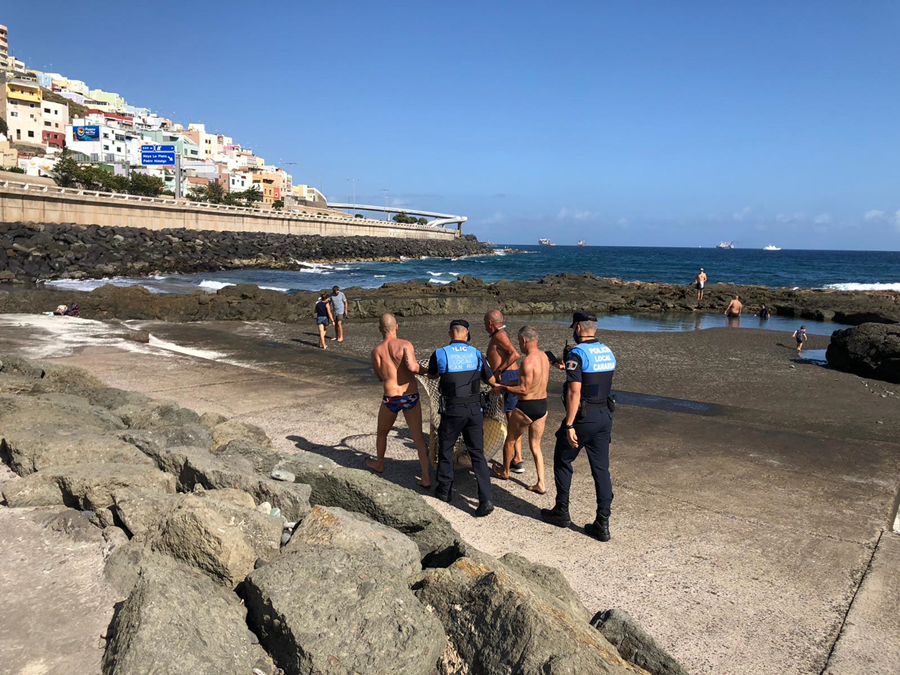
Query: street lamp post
(353,182)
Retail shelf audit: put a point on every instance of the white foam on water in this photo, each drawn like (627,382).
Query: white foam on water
(380,276)
(274,288)
(441,281)
(215,285)
(864,287)
(88,285)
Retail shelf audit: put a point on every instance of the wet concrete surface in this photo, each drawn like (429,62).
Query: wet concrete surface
(751,490)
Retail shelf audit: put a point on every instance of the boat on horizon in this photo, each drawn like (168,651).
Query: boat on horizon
(771,247)
(545,242)
(581,243)
(725,245)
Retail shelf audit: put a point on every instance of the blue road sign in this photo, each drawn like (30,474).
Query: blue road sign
(158,155)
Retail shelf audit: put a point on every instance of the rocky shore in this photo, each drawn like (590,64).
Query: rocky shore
(230,556)
(30,251)
(561,293)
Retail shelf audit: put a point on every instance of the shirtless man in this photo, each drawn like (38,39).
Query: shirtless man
(734,309)
(502,357)
(531,408)
(700,283)
(401,393)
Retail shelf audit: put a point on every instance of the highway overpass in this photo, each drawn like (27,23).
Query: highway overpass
(437,219)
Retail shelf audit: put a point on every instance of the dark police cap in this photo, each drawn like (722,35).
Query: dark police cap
(459,322)
(582,315)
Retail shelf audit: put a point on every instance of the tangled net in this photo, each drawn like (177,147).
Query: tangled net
(494,423)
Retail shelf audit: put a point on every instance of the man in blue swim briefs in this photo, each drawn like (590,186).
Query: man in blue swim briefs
(401,394)
(502,357)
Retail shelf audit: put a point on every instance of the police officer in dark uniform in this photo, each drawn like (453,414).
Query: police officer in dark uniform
(461,368)
(589,366)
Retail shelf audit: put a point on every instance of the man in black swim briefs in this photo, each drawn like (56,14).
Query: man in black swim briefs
(531,409)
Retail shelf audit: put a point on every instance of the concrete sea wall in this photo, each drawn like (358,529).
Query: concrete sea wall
(33,203)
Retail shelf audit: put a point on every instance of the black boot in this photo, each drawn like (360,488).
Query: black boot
(484,509)
(599,529)
(558,515)
(444,496)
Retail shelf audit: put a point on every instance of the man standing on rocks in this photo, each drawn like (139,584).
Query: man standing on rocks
(340,307)
(589,367)
(700,283)
(401,393)
(460,368)
(503,358)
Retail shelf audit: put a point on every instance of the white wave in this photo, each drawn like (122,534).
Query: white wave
(456,274)
(441,281)
(315,270)
(436,274)
(864,287)
(274,288)
(215,285)
(380,276)
(88,285)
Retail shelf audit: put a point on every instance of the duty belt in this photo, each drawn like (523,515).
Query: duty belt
(461,400)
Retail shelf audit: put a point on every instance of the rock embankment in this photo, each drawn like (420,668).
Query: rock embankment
(30,252)
(870,350)
(562,293)
(231,557)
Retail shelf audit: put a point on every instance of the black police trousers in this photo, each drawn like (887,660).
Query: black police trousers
(593,428)
(466,419)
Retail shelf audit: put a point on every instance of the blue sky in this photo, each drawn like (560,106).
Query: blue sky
(624,123)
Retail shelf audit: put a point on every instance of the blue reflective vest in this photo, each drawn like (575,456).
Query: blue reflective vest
(459,365)
(594,368)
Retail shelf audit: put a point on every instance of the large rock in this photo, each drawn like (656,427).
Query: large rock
(60,409)
(31,447)
(178,622)
(84,486)
(320,609)
(497,623)
(389,504)
(232,430)
(196,466)
(216,537)
(155,414)
(871,350)
(635,644)
(354,532)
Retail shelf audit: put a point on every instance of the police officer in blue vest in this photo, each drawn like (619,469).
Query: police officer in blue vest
(461,369)
(589,367)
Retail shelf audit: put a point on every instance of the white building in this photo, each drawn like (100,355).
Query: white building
(115,145)
(239,181)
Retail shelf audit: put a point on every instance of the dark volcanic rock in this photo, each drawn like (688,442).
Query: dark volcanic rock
(320,609)
(497,623)
(71,251)
(870,350)
(635,644)
(178,621)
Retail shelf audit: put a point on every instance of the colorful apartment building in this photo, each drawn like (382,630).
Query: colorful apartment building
(23,112)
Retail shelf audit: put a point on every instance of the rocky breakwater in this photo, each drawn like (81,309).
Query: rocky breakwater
(232,557)
(871,350)
(35,251)
(554,294)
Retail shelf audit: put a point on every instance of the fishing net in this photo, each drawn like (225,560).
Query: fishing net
(494,423)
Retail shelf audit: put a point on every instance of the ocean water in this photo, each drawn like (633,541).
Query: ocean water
(847,270)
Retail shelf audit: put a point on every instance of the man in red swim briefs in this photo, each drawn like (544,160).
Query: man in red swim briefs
(401,394)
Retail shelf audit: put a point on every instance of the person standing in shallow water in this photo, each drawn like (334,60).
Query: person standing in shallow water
(401,394)
(324,318)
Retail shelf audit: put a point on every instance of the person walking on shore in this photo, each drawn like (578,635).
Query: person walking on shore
(590,366)
(734,309)
(801,338)
(460,367)
(401,394)
(700,283)
(324,317)
(341,311)
(503,358)
(531,407)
